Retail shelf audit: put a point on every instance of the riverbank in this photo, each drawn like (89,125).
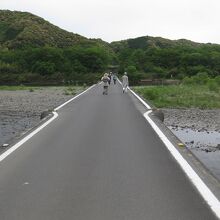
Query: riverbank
(181,96)
(196,119)
(192,113)
(21,107)
(199,130)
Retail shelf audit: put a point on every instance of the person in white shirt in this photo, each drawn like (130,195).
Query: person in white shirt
(125,82)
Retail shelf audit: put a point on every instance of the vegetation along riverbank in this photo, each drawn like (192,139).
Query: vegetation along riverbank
(192,112)
(198,91)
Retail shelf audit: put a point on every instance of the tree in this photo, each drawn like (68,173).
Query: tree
(43,68)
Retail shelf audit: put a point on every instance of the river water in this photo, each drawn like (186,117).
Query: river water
(204,144)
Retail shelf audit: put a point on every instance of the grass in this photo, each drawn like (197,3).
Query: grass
(67,90)
(16,88)
(73,90)
(181,96)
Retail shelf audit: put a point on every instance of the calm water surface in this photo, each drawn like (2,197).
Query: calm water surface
(204,144)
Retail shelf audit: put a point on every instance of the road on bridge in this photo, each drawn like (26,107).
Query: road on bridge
(98,160)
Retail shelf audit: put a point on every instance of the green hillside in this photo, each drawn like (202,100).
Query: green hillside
(147,42)
(22,29)
(156,57)
(32,50)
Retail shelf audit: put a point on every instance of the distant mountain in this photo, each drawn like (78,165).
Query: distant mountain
(22,29)
(156,57)
(147,42)
(32,47)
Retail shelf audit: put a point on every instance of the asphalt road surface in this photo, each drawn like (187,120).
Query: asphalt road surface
(99,160)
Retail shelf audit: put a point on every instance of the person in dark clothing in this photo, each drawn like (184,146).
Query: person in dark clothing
(114,78)
(110,77)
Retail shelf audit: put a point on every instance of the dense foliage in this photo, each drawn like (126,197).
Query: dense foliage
(53,64)
(148,57)
(22,29)
(34,51)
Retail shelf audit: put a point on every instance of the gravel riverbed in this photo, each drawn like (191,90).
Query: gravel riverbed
(196,119)
(21,110)
(199,130)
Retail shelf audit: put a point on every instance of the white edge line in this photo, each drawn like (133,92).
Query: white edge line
(119,81)
(17,145)
(137,96)
(205,192)
(55,115)
(59,107)
(140,99)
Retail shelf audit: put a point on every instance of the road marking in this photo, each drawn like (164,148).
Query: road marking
(55,115)
(119,81)
(205,192)
(26,183)
(17,145)
(59,107)
(140,99)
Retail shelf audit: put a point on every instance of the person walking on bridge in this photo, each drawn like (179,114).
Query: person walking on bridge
(125,82)
(110,78)
(105,79)
(114,78)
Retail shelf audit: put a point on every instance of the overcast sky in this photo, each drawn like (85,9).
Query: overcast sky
(112,20)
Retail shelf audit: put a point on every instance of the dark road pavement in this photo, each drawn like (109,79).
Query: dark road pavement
(98,160)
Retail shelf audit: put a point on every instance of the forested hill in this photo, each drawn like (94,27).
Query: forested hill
(34,50)
(156,57)
(20,29)
(23,29)
(147,42)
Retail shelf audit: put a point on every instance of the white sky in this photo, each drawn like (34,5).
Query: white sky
(112,20)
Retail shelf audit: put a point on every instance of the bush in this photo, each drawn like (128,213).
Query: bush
(201,78)
(9,79)
(151,94)
(134,76)
(8,68)
(31,90)
(217,80)
(131,69)
(188,81)
(213,85)
(44,68)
